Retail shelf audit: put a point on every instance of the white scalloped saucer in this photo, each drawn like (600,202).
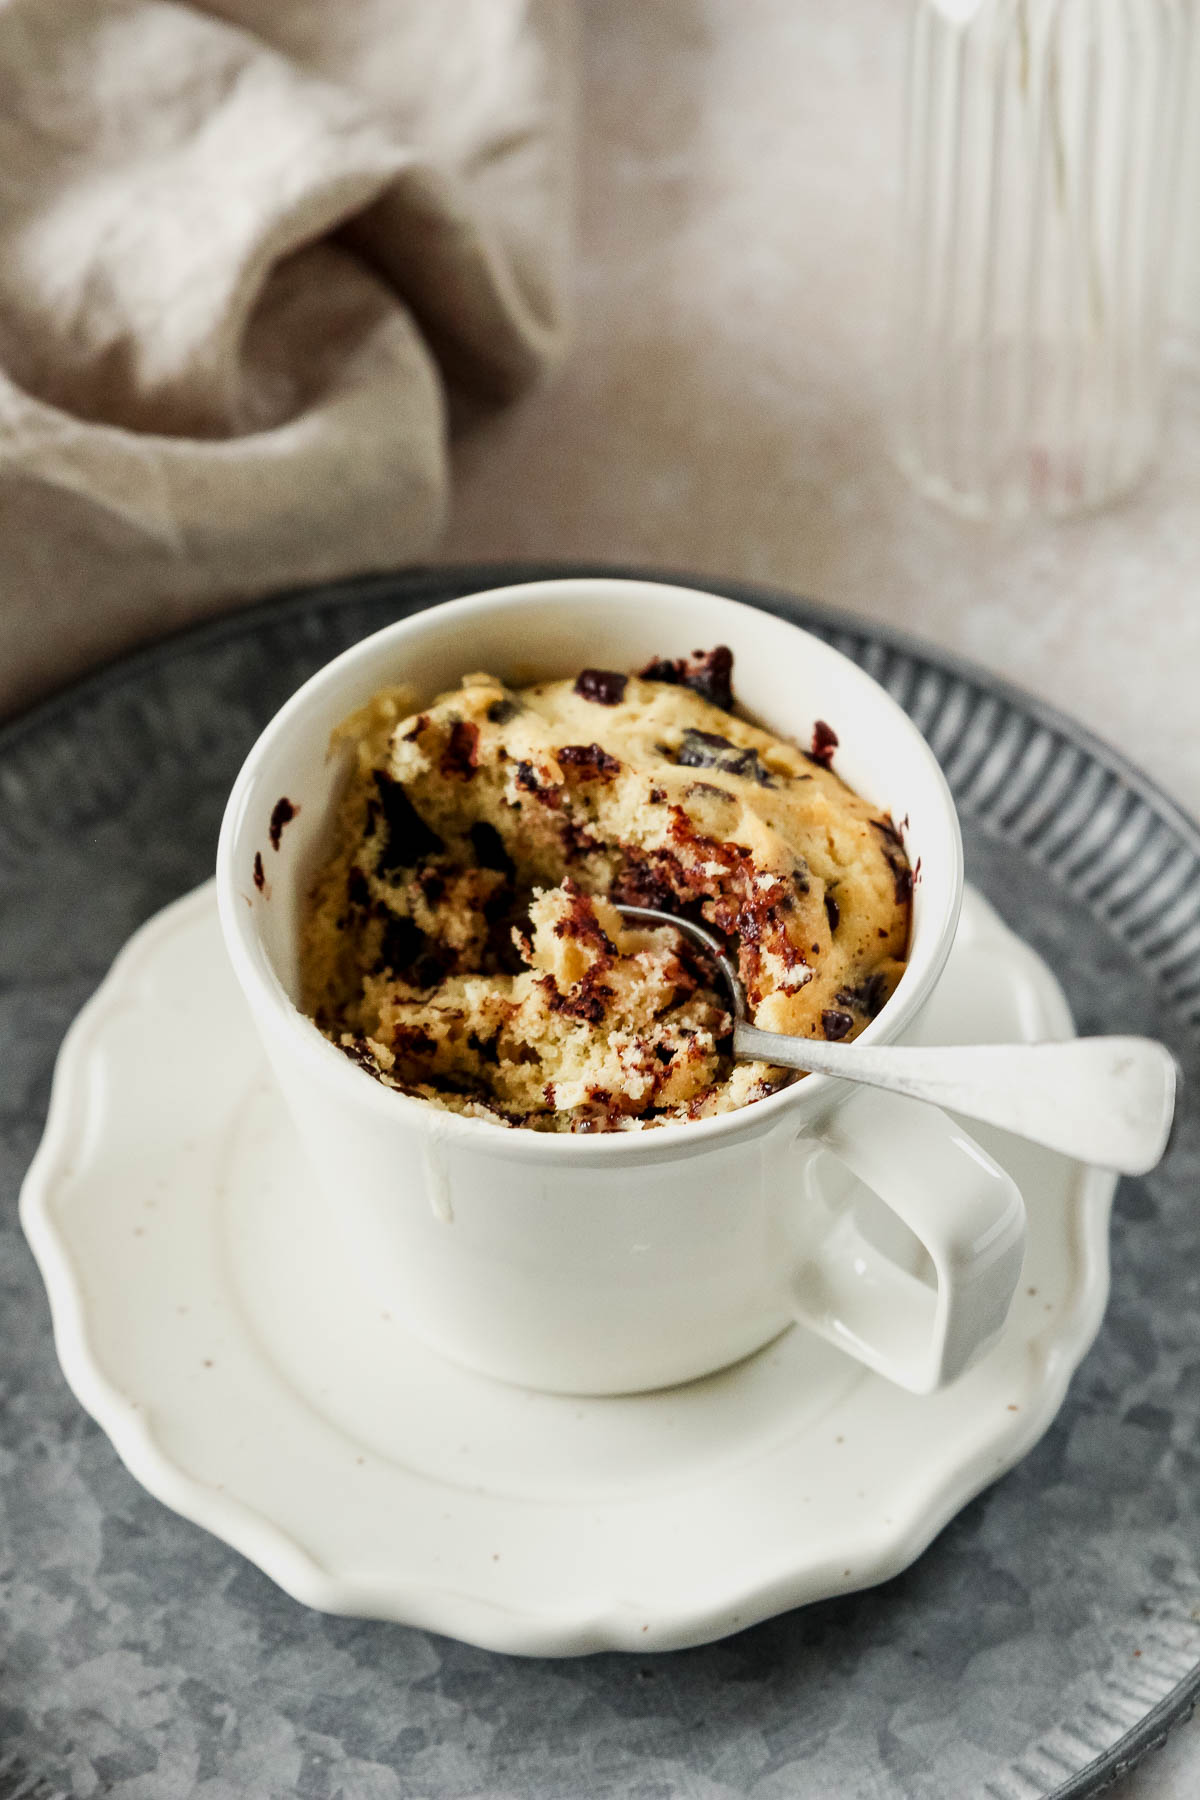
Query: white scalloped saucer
(228,1350)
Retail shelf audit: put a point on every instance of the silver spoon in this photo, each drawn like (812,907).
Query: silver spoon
(1103,1100)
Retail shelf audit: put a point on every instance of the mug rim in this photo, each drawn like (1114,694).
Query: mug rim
(270,1004)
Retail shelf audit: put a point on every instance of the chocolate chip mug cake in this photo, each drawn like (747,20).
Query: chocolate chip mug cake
(461,941)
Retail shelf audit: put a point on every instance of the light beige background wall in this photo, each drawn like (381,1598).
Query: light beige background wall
(724,409)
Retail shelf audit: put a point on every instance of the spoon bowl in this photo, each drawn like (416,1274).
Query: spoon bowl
(1107,1101)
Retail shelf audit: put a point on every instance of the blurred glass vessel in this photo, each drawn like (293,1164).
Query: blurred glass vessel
(1041,143)
(1184,325)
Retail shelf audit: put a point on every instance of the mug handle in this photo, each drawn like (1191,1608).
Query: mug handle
(965,1210)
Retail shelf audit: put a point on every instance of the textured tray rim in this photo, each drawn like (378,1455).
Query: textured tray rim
(427,583)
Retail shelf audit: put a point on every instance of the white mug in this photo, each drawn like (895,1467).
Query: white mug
(610,1263)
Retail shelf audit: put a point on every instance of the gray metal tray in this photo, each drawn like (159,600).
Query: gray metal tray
(1047,1639)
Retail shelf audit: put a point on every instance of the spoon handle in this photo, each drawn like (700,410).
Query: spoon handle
(1102,1100)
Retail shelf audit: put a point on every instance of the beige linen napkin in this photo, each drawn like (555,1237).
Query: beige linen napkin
(243,248)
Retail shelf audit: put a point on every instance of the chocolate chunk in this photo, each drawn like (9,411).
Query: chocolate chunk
(526,778)
(282,814)
(893,850)
(837,1024)
(707,750)
(359,1051)
(497,906)
(489,849)
(592,762)
(461,754)
(653,878)
(832,911)
(401,944)
(409,839)
(357,890)
(260,876)
(605,686)
(868,996)
(432,884)
(501,711)
(576,841)
(471,1087)
(431,969)
(584,1001)
(824,743)
(709,673)
(412,1040)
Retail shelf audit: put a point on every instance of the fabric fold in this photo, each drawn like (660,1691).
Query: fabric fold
(243,250)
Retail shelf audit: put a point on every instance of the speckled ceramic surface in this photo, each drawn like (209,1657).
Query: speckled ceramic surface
(1055,1616)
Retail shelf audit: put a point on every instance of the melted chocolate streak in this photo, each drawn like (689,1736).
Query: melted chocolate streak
(283,813)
